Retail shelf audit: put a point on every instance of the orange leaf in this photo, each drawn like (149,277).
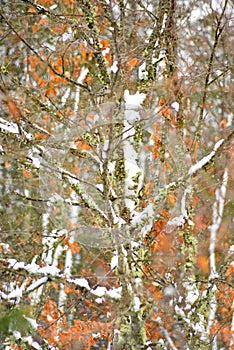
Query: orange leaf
(66,240)
(161,244)
(74,247)
(159,226)
(161,102)
(69,290)
(223,123)
(69,191)
(105,43)
(41,82)
(230,270)
(171,199)
(31,9)
(14,110)
(133,62)
(7,164)
(39,135)
(35,28)
(82,145)
(203,262)
(166,112)
(54,285)
(164,243)
(168,165)
(165,213)
(149,188)
(195,201)
(158,294)
(88,80)
(26,173)
(154,246)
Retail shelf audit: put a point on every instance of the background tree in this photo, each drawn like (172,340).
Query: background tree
(116,175)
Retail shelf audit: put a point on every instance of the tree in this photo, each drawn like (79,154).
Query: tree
(117,158)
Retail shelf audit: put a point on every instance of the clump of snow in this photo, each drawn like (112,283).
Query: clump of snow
(99,291)
(142,73)
(136,303)
(138,281)
(139,217)
(176,106)
(53,7)
(179,311)
(5,246)
(16,294)
(115,293)
(192,295)
(106,51)
(100,187)
(82,282)
(32,322)
(114,261)
(96,335)
(67,35)
(136,99)
(99,300)
(114,67)
(51,270)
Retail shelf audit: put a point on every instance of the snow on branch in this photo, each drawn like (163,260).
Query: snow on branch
(218,208)
(52,271)
(114,293)
(34,268)
(206,159)
(9,126)
(83,74)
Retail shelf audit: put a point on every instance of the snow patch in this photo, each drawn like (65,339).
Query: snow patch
(114,261)
(135,99)
(81,282)
(114,67)
(176,106)
(136,303)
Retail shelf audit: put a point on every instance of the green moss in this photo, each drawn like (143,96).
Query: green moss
(137,137)
(120,173)
(4,69)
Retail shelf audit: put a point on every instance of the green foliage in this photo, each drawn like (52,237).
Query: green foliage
(13,320)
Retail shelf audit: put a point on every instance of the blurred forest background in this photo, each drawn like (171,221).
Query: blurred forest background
(116,174)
